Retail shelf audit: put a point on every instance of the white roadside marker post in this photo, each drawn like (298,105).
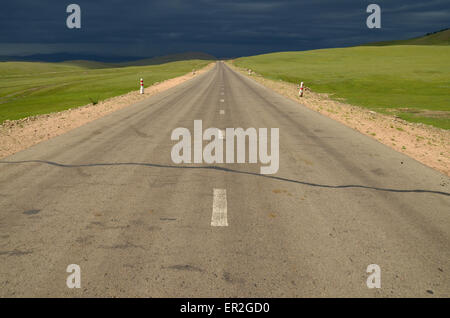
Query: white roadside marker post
(300,93)
(142,86)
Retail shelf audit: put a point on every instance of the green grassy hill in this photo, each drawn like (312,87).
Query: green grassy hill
(436,38)
(410,81)
(32,88)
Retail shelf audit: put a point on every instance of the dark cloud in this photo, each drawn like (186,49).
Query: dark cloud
(221,28)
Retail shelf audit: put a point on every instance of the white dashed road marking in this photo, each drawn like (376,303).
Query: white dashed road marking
(222,112)
(219,213)
(222,100)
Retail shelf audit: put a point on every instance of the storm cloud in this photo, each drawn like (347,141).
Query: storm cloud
(221,28)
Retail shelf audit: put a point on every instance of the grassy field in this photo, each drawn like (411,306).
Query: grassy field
(32,88)
(411,81)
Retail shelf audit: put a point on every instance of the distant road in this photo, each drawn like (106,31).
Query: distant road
(108,197)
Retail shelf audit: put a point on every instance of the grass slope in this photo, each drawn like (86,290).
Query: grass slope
(410,81)
(32,88)
(436,38)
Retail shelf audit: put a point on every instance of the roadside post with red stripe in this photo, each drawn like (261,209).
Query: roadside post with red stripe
(300,93)
(142,86)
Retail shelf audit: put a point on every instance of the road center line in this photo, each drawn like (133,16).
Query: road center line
(219,213)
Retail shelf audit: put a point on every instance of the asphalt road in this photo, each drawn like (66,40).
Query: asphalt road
(108,197)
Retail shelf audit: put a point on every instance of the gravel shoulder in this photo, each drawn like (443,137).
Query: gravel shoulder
(18,135)
(426,144)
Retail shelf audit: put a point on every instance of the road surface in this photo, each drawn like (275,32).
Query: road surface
(108,197)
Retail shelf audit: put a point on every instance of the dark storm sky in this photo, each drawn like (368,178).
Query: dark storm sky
(222,28)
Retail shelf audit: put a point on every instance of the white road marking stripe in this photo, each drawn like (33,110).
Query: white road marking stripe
(221,134)
(219,213)
(222,112)
(222,100)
